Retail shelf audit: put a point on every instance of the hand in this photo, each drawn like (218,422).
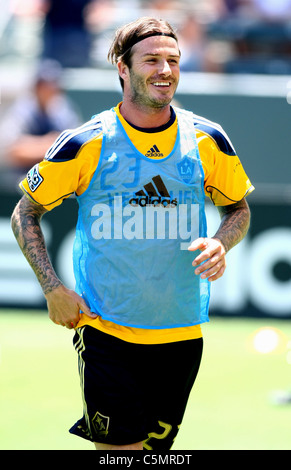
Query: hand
(212,257)
(64,306)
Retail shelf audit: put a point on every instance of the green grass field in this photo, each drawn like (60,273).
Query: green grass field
(229,408)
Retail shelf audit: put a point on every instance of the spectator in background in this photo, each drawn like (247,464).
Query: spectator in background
(266,10)
(66,37)
(34,121)
(169,10)
(196,49)
(258,32)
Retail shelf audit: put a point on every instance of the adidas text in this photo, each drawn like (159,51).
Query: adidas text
(155,201)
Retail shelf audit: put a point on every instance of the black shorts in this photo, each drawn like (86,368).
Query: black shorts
(134,392)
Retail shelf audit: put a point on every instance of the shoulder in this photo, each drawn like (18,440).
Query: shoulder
(69,142)
(215,132)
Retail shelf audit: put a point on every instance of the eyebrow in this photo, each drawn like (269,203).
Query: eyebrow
(157,55)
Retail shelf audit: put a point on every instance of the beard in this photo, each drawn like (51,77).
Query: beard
(141,96)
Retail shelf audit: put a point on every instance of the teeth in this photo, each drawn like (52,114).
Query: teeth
(161,84)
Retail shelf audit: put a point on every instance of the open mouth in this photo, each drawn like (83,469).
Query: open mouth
(162,84)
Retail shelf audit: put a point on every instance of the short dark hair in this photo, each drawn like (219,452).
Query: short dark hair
(128,35)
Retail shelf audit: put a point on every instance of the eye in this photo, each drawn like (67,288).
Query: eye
(173,61)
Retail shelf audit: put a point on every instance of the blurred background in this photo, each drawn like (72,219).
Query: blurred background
(236,70)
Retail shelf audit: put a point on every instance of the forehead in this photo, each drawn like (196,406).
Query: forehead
(161,45)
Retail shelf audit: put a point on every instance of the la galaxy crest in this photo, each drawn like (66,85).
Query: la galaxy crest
(186,169)
(101,424)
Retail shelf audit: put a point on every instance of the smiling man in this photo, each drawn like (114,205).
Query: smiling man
(142,260)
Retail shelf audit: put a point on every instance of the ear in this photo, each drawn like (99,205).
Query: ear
(122,70)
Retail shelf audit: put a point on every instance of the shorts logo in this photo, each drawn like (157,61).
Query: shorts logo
(154,193)
(34,178)
(100,424)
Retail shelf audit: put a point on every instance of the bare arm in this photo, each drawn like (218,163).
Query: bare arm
(235,221)
(64,305)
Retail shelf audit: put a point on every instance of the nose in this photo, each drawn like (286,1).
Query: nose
(165,68)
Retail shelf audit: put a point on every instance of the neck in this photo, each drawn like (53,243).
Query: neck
(145,118)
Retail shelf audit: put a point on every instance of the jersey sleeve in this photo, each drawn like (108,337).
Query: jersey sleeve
(67,168)
(225,180)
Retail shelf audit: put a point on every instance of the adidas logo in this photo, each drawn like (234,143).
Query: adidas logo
(154,193)
(154,152)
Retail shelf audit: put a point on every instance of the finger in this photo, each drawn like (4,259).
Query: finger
(73,321)
(92,315)
(212,253)
(203,257)
(208,261)
(199,244)
(214,272)
(56,322)
(85,309)
(217,275)
(68,324)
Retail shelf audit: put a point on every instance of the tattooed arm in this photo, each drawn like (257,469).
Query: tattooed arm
(25,224)
(235,221)
(64,305)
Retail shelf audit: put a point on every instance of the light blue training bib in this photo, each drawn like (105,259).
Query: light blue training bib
(136,220)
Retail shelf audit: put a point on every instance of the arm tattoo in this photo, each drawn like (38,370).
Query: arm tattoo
(25,223)
(235,222)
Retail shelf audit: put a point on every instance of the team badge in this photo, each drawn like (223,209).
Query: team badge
(34,178)
(101,424)
(186,169)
